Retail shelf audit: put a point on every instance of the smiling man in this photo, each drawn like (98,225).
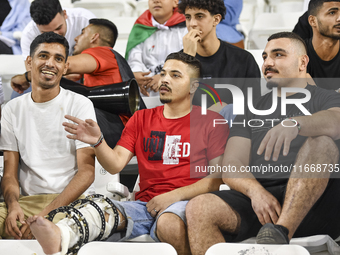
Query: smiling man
(160,138)
(273,194)
(53,170)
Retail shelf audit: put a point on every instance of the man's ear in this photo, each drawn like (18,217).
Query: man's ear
(65,14)
(29,63)
(66,67)
(193,86)
(94,38)
(304,59)
(312,20)
(217,19)
(175,4)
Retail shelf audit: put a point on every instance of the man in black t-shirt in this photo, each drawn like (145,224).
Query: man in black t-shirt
(218,58)
(323,45)
(277,165)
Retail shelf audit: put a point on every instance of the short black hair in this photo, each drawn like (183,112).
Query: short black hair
(44,11)
(315,5)
(49,37)
(109,32)
(212,6)
(289,35)
(193,62)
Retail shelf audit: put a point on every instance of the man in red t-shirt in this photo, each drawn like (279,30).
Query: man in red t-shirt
(167,161)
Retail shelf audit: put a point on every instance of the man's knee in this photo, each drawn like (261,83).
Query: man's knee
(319,147)
(169,223)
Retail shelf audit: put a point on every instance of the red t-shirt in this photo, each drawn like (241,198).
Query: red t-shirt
(107,71)
(164,149)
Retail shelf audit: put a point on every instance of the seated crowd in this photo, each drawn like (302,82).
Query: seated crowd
(50,136)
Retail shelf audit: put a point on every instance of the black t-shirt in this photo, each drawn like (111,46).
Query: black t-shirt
(321,99)
(4,10)
(302,28)
(318,68)
(234,63)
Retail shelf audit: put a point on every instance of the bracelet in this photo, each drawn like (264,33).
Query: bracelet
(99,141)
(26,76)
(297,124)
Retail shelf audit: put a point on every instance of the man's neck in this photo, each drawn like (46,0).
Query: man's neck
(295,83)
(176,111)
(40,95)
(209,46)
(326,48)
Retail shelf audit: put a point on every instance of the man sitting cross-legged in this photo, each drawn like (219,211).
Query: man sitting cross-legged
(160,138)
(296,196)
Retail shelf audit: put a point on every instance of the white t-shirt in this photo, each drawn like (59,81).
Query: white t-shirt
(48,158)
(150,55)
(77,19)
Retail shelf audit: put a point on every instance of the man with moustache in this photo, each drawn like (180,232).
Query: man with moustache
(160,138)
(323,46)
(53,171)
(276,205)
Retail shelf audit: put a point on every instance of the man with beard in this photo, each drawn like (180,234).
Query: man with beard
(323,46)
(272,186)
(53,171)
(95,61)
(167,159)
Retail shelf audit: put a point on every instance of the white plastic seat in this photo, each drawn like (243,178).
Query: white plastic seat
(10,65)
(107,8)
(121,248)
(255,249)
(267,24)
(141,6)
(22,247)
(283,6)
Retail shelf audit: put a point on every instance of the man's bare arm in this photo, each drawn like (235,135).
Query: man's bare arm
(88,131)
(322,123)
(11,191)
(80,64)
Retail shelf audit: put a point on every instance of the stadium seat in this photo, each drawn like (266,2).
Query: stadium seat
(267,24)
(284,6)
(141,6)
(107,8)
(10,65)
(16,247)
(255,249)
(113,248)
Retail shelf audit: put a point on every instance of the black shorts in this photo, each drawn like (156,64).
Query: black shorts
(323,218)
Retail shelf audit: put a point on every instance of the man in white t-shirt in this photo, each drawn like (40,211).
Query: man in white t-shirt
(53,170)
(48,16)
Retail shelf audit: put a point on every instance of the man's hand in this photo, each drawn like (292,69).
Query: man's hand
(155,85)
(86,131)
(143,81)
(190,41)
(26,232)
(19,83)
(277,136)
(266,207)
(159,203)
(15,214)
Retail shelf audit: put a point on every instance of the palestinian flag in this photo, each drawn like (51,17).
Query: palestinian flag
(143,29)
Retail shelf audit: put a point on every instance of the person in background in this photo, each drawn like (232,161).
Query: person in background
(14,16)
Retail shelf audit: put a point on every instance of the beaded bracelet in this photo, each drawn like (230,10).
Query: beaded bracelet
(99,141)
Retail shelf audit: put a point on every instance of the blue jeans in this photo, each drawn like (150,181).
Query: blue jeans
(139,220)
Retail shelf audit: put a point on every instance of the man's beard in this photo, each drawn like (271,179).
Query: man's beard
(272,84)
(324,31)
(165,100)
